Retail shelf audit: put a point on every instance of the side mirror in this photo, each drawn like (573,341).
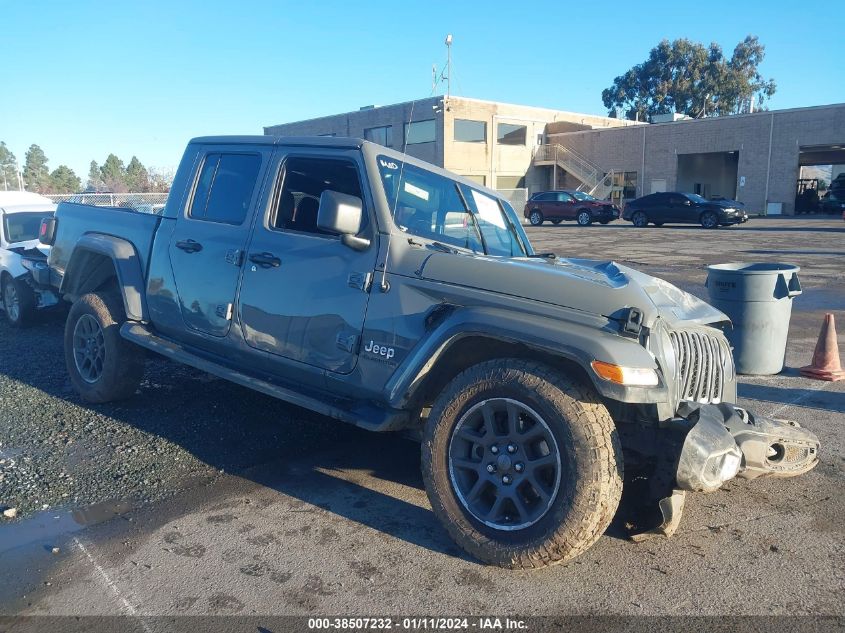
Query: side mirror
(341,214)
(47,232)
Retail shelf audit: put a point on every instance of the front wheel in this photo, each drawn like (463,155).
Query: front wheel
(103,366)
(522,464)
(584,218)
(18,301)
(535,218)
(709,220)
(640,220)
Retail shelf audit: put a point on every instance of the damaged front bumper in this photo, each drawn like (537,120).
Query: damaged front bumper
(725,441)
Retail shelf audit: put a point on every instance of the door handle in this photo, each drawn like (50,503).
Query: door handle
(189,246)
(265,260)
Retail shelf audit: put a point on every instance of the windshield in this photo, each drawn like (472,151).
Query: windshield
(436,208)
(580,195)
(695,198)
(23,227)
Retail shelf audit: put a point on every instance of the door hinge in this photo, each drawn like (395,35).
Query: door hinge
(235,257)
(361,281)
(347,342)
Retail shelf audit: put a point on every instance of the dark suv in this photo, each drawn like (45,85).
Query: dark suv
(568,205)
(683,208)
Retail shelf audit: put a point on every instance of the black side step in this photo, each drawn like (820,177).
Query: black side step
(141,335)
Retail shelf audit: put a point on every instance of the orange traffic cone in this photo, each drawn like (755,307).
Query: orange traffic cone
(826,364)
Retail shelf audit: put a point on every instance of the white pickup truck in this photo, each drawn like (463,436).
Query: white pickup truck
(23,260)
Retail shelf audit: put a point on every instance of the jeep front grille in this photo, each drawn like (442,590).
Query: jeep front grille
(702,361)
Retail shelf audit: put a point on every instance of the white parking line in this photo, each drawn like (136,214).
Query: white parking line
(128,608)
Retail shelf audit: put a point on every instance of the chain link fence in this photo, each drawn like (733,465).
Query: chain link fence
(142,202)
(518,198)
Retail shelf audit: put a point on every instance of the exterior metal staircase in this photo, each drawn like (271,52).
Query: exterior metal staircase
(595,182)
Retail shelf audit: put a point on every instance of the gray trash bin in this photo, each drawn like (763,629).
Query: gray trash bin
(758,299)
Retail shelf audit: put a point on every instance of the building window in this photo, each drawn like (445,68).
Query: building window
(381,135)
(510,134)
(481,179)
(224,187)
(419,132)
(468,131)
(510,182)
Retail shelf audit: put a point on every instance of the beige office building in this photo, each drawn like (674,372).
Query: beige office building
(754,158)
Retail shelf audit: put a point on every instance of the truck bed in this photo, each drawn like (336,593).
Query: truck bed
(77,220)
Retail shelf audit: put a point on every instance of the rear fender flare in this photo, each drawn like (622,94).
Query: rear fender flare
(79,277)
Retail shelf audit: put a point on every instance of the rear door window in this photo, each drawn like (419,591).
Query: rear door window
(224,188)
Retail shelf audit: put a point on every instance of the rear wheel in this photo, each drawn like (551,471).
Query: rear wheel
(640,220)
(584,218)
(535,218)
(18,301)
(709,220)
(522,465)
(102,365)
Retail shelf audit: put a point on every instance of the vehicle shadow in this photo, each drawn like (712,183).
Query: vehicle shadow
(805,398)
(371,479)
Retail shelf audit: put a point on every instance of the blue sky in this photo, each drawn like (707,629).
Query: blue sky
(86,78)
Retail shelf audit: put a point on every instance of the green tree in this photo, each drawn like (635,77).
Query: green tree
(113,174)
(36,175)
(64,180)
(137,178)
(689,78)
(95,178)
(8,169)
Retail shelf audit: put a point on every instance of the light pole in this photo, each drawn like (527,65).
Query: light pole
(448,65)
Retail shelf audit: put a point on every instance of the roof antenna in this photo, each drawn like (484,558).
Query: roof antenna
(385,286)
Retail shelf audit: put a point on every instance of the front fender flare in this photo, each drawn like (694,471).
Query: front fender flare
(127,266)
(573,341)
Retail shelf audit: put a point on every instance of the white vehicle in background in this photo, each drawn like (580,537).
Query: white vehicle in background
(24,276)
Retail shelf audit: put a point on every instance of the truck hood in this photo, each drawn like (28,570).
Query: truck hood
(598,287)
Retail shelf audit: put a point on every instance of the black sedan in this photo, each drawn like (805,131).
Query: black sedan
(683,208)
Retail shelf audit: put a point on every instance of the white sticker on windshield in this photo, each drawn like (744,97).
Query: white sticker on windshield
(416,191)
(488,209)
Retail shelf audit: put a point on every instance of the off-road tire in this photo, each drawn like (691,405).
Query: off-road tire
(584,218)
(591,458)
(639,220)
(535,218)
(709,220)
(123,363)
(24,314)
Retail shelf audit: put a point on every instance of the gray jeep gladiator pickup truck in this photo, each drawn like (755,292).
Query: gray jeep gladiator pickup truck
(377,289)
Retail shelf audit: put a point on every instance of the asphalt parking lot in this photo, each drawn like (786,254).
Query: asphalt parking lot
(199,497)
